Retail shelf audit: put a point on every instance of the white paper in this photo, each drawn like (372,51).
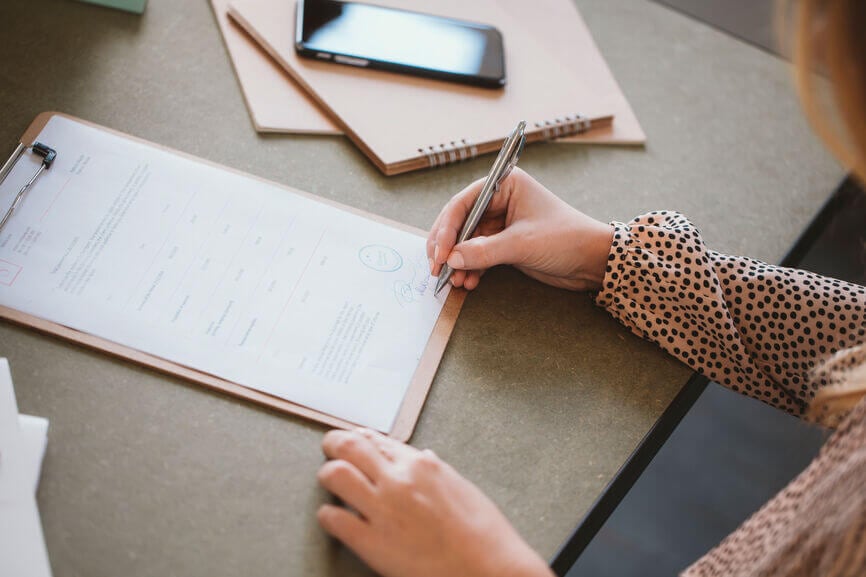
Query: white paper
(34,440)
(23,439)
(22,545)
(9,426)
(219,272)
(22,445)
(14,470)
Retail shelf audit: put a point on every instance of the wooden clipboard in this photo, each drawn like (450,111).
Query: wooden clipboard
(416,393)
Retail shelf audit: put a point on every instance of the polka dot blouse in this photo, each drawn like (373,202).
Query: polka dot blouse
(765,331)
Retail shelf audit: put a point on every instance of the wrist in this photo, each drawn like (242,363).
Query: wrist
(530,565)
(595,245)
(518,559)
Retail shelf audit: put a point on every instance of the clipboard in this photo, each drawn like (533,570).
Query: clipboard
(416,393)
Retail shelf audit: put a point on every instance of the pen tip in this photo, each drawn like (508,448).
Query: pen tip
(439,286)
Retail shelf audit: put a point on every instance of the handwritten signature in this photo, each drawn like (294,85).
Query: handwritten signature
(415,289)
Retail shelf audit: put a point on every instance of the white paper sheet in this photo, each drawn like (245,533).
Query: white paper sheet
(22,445)
(23,439)
(14,470)
(219,272)
(22,545)
(34,439)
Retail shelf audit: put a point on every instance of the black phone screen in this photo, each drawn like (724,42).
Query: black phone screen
(399,40)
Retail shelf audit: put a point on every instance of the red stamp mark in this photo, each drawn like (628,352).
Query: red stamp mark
(8,272)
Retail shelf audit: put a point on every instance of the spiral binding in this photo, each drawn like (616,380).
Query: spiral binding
(565,126)
(454,151)
(464,149)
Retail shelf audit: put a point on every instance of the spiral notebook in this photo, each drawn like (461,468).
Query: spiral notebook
(235,283)
(405,123)
(277,103)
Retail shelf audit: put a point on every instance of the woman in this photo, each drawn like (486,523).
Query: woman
(790,338)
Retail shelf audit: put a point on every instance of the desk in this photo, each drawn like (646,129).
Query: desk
(147,475)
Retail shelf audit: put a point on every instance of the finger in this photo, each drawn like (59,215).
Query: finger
(450,221)
(432,240)
(434,233)
(446,238)
(447,209)
(458,277)
(345,526)
(489,227)
(355,449)
(391,448)
(472,280)
(431,266)
(483,252)
(348,483)
(461,203)
(431,243)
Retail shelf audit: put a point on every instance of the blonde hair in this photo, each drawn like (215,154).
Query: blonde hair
(844,378)
(830,36)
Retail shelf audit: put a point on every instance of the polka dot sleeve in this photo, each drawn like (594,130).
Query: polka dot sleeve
(756,328)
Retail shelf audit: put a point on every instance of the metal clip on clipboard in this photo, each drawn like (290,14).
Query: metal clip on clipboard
(48,155)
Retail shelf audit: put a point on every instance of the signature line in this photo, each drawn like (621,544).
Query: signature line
(56,196)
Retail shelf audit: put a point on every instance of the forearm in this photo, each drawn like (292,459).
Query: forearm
(757,328)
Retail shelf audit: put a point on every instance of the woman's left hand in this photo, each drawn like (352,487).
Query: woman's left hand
(414,515)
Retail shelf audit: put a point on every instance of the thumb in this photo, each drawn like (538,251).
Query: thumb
(483,252)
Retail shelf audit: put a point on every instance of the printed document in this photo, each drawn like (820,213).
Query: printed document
(219,272)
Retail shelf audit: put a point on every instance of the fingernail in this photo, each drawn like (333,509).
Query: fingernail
(436,253)
(455,260)
(430,261)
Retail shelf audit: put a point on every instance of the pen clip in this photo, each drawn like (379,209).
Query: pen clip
(512,162)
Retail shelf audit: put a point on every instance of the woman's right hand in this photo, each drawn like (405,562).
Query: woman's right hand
(527,226)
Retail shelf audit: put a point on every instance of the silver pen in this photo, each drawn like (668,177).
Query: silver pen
(507,159)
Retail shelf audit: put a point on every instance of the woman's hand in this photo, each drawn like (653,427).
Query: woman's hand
(527,226)
(413,515)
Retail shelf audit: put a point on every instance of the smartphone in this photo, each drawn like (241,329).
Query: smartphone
(369,36)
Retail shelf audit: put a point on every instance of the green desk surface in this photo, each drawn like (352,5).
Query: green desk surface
(540,396)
